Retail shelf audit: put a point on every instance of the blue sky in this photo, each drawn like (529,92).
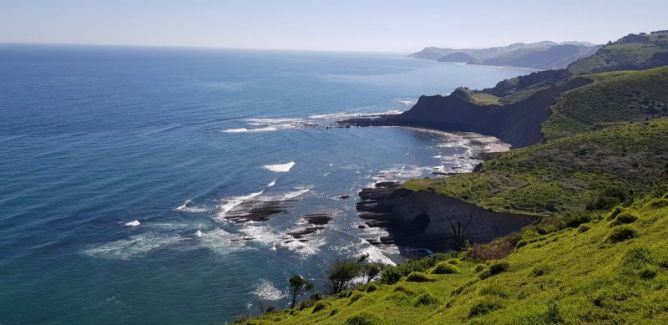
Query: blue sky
(345,25)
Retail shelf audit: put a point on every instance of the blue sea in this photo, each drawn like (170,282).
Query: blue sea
(128,175)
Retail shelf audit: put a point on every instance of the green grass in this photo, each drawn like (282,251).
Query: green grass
(564,175)
(623,55)
(613,98)
(566,276)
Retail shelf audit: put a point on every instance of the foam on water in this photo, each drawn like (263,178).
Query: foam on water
(247,130)
(189,208)
(272,183)
(133,223)
(133,246)
(280,168)
(221,241)
(232,202)
(265,290)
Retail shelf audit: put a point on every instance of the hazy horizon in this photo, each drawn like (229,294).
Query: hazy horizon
(357,26)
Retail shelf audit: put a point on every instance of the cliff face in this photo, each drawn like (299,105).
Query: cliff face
(517,123)
(424,219)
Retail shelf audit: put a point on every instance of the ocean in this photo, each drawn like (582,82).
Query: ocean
(184,186)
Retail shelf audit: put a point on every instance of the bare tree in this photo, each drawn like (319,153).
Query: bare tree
(459,229)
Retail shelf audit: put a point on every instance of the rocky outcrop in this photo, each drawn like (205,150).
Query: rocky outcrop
(428,220)
(518,123)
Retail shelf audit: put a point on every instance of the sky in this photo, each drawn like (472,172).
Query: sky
(336,25)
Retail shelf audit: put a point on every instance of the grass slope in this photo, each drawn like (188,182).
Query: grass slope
(633,51)
(613,97)
(563,175)
(585,275)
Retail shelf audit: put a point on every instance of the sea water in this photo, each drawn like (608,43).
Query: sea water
(127,175)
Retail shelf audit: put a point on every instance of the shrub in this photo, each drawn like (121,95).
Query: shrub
(333,312)
(484,306)
(341,274)
(371,288)
(621,234)
(624,218)
(521,244)
(647,274)
(577,219)
(391,276)
(479,267)
(583,228)
(495,250)
(319,306)
(553,316)
(354,298)
(418,277)
(614,212)
(426,299)
(494,291)
(538,271)
(498,267)
(403,290)
(453,261)
(363,319)
(444,268)
(608,198)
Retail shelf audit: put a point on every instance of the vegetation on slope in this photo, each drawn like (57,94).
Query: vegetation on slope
(596,270)
(634,51)
(614,97)
(565,175)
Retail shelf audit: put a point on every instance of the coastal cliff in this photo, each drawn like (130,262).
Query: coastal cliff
(425,219)
(518,124)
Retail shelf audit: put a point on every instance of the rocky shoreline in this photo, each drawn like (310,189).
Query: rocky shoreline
(427,220)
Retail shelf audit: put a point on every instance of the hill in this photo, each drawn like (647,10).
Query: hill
(631,52)
(541,55)
(609,268)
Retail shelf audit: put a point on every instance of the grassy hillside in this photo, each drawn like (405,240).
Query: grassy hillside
(614,97)
(634,51)
(612,269)
(567,174)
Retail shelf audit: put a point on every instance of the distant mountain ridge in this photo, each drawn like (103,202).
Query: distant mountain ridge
(539,55)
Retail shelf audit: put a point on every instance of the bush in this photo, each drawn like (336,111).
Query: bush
(363,319)
(426,299)
(608,198)
(621,234)
(491,251)
(538,271)
(341,274)
(576,219)
(614,212)
(553,316)
(418,277)
(583,228)
(391,276)
(319,306)
(624,218)
(647,274)
(444,268)
(479,267)
(485,306)
(453,261)
(494,291)
(403,290)
(354,298)
(498,267)
(371,288)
